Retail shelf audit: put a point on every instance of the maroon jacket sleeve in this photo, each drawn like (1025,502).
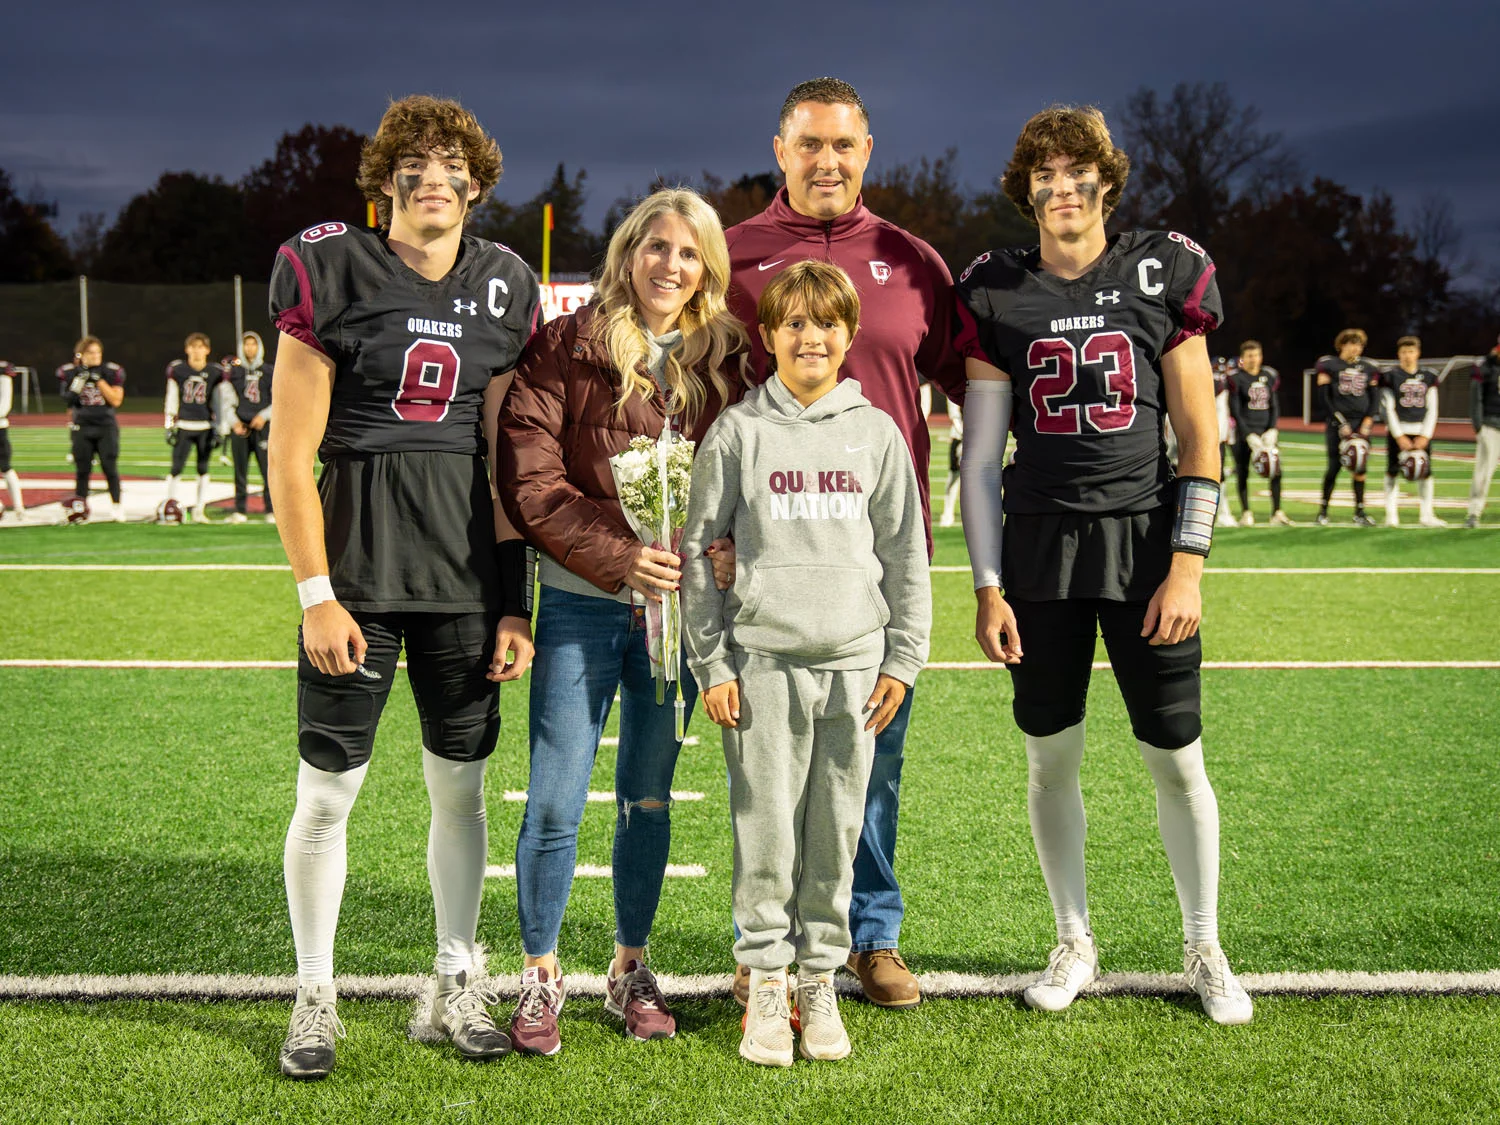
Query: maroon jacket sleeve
(938,358)
(581,533)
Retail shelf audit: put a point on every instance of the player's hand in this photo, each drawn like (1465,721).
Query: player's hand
(1420,442)
(654,571)
(238,429)
(721,554)
(1176,608)
(1345,430)
(257,423)
(995,627)
(328,635)
(1365,428)
(884,701)
(722,702)
(513,650)
(1403,443)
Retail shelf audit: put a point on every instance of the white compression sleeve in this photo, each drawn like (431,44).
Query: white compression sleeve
(1429,420)
(457,848)
(315,863)
(986,429)
(1187,814)
(1388,408)
(1054,803)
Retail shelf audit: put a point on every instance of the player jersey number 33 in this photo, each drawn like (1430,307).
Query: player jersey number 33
(412,357)
(1085,358)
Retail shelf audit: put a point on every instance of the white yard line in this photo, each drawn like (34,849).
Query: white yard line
(230,986)
(148,568)
(692,740)
(600,871)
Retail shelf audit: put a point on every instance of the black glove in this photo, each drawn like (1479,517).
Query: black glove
(172,436)
(214,440)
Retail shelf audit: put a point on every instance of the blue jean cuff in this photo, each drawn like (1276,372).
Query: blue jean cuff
(872,946)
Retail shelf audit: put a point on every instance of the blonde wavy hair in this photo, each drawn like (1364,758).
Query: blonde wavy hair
(709,330)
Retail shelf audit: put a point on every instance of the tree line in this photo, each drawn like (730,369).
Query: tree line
(1299,258)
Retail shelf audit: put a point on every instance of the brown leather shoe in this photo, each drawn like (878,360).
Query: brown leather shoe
(886,980)
(742,985)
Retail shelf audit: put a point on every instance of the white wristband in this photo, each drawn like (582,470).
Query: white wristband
(315,590)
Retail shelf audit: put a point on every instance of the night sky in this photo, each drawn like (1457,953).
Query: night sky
(101,99)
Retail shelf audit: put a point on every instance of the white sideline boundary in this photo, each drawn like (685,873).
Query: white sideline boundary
(692,740)
(151,568)
(937,986)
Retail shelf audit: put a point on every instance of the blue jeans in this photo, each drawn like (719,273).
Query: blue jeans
(876,909)
(585,649)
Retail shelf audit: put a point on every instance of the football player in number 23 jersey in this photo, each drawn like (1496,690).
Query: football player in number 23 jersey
(1087,343)
(395,353)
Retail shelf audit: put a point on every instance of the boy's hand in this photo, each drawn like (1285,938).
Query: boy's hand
(884,700)
(722,702)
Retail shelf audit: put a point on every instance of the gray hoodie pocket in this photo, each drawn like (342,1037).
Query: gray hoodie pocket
(811,611)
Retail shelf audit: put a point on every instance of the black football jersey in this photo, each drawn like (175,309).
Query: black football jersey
(412,357)
(1351,388)
(252,388)
(1409,393)
(190,394)
(82,394)
(1253,400)
(1085,360)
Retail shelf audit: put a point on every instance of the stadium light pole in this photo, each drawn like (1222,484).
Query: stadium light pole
(546,242)
(239,319)
(83,304)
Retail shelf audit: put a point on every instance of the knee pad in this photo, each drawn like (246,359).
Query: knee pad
(1170,726)
(1043,718)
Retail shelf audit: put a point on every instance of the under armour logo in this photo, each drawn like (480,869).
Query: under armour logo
(1111,298)
(470,307)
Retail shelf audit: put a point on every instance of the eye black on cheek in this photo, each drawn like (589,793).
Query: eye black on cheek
(460,186)
(406,186)
(1040,197)
(1089,190)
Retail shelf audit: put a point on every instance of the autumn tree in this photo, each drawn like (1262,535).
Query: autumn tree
(187,228)
(575,248)
(308,180)
(30,250)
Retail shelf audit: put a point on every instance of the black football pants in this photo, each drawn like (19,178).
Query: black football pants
(241,446)
(104,441)
(187,441)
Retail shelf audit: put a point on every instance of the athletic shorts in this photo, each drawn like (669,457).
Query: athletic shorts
(187,442)
(1053,555)
(1161,684)
(447,658)
(1393,456)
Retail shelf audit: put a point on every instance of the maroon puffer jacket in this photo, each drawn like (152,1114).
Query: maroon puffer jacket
(561,428)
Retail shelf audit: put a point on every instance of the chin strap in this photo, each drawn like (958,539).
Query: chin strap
(1193,521)
(987,404)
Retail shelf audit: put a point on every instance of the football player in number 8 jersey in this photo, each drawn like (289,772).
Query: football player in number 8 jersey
(1093,341)
(395,353)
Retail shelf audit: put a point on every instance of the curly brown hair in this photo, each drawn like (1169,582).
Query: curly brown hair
(1077,131)
(421,124)
(1350,336)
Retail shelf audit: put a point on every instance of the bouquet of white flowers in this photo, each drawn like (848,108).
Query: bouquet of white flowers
(652,478)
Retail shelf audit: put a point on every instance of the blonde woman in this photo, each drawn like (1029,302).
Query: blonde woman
(655,347)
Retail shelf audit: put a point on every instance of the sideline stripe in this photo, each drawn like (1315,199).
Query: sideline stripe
(600,871)
(600,796)
(203,986)
(149,568)
(692,740)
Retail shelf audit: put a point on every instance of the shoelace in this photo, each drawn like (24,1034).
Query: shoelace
(641,985)
(819,998)
(1214,971)
(315,1023)
(469,1002)
(771,1001)
(1060,965)
(889,954)
(534,999)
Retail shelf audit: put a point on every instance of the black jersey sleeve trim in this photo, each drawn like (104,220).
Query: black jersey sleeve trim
(297,321)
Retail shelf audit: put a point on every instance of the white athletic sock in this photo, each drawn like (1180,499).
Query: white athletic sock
(950,501)
(13,482)
(203,479)
(457,850)
(1424,492)
(172,487)
(315,863)
(1054,801)
(1392,498)
(1187,814)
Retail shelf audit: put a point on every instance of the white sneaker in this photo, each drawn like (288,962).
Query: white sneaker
(1073,964)
(823,1035)
(200,515)
(1247,518)
(459,1011)
(1207,971)
(308,1051)
(1392,520)
(1224,518)
(1280,519)
(1432,521)
(768,1020)
(237,517)
(117,513)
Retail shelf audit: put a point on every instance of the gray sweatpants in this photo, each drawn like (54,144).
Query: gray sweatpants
(1486,454)
(799,763)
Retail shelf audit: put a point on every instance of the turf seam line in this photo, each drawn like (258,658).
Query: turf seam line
(936,985)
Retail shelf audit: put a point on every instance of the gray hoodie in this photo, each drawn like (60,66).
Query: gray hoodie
(830,554)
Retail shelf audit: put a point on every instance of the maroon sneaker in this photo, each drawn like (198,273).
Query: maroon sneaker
(636,999)
(533,1029)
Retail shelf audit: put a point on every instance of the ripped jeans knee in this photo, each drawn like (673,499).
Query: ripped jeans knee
(653,807)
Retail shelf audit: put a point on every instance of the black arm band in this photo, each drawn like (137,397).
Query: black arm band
(1193,520)
(517,573)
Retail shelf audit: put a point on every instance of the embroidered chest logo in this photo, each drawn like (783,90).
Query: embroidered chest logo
(460,305)
(880,272)
(1107,297)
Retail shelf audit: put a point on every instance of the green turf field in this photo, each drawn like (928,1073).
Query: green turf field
(142,812)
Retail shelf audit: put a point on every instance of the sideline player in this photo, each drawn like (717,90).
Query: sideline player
(1346,386)
(12,482)
(250,429)
(396,350)
(1484,412)
(823,145)
(1409,404)
(1224,370)
(1252,402)
(92,389)
(188,416)
(1098,533)
(955,458)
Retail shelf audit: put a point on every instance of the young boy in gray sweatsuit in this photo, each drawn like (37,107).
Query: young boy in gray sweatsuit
(811,650)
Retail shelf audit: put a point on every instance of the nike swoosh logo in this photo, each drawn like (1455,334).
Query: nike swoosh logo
(769,265)
(854,448)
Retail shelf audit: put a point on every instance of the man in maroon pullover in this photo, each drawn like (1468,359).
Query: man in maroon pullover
(906,295)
